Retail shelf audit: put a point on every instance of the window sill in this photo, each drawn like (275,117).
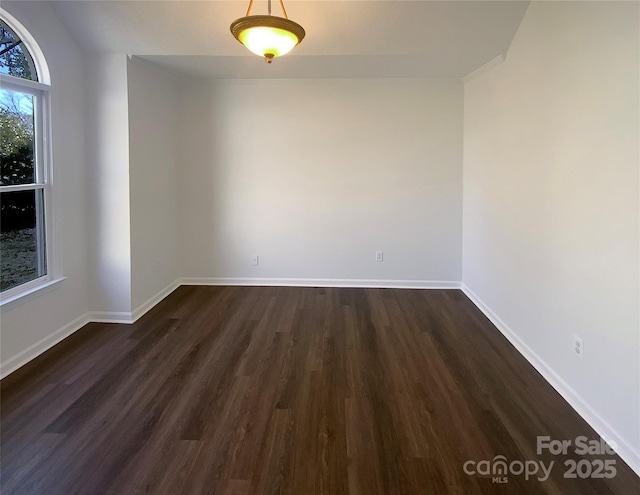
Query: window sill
(29,294)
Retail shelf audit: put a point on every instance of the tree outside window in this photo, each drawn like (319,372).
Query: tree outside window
(23,174)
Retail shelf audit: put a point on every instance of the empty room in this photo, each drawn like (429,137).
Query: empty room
(319,247)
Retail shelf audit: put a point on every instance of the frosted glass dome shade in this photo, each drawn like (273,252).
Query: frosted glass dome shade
(267,36)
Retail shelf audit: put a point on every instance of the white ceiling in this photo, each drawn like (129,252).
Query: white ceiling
(344,38)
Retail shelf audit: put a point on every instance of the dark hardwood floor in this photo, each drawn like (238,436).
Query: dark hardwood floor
(302,391)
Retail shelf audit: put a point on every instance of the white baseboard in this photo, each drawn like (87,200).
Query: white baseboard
(136,314)
(124,317)
(34,350)
(601,426)
(110,317)
(152,301)
(324,282)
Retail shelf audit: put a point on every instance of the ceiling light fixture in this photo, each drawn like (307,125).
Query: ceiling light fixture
(266,35)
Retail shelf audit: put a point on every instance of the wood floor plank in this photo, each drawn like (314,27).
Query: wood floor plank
(283,390)
(364,472)
(271,474)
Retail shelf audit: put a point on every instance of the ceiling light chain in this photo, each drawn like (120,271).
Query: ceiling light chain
(266,35)
(284,11)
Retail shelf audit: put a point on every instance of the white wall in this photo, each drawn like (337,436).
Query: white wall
(153,140)
(30,326)
(314,176)
(108,164)
(551,209)
(108,184)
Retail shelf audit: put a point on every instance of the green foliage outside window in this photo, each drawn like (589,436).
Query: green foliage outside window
(14,58)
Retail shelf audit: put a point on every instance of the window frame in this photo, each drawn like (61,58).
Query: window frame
(43,161)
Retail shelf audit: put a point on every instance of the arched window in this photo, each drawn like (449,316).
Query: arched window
(25,162)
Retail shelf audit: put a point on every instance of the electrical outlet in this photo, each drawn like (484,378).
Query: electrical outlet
(379,256)
(157,265)
(254,260)
(578,346)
